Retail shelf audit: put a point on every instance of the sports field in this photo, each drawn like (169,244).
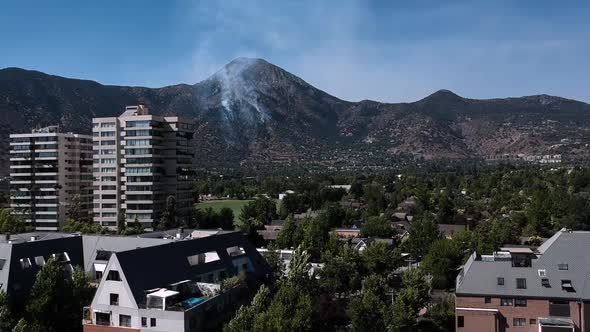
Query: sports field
(234,204)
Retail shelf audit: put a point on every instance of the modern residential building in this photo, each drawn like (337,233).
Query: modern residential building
(546,289)
(175,286)
(47,169)
(140,160)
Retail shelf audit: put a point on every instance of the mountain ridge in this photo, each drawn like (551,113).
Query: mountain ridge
(252,111)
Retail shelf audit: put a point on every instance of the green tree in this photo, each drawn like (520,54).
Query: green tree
(246,315)
(373,194)
(442,261)
(57,296)
(6,318)
(11,223)
(286,236)
(290,310)
(168,218)
(367,311)
(226,218)
(443,314)
(381,259)
(76,211)
(377,227)
(423,233)
(341,273)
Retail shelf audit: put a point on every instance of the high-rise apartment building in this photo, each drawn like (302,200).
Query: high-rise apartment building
(48,169)
(140,160)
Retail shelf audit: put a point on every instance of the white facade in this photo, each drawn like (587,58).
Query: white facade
(47,169)
(139,161)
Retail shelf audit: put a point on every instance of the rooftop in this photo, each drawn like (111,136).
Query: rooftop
(559,268)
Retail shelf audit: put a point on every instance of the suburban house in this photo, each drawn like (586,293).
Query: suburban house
(546,289)
(188,285)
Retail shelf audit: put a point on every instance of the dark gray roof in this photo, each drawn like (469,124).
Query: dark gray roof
(479,276)
(159,266)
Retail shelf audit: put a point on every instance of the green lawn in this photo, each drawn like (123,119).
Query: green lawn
(234,204)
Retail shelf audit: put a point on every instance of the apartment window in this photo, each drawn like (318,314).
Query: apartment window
(520,302)
(135,124)
(143,321)
(138,142)
(114,275)
(107,134)
(125,320)
(108,143)
(562,266)
(107,124)
(533,321)
(108,161)
(500,281)
(460,321)
(107,151)
(488,299)
(152,322)
(521,283)
(519,322)
(114,299)
(506,302)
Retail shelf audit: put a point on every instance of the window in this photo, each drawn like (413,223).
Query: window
(519,322)
(520,302)
(114,275)
(545,282)
(542,273)
(107,134)
(2,262)
(505,302)
(562,266)
(488,299)
(500,281)
(559,308)
(533,321)
(103,318)
(114,299)
(143,321)
(40,261)
(107,124)
(103,255)
(460,321)
(125,320)
(520,283)
(25,263)
(567,286)
(152,322)
(135,124)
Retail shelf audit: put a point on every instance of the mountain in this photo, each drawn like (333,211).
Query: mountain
(252,111)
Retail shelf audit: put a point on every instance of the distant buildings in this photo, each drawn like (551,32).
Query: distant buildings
(520,289)
(139,161)
(48,168)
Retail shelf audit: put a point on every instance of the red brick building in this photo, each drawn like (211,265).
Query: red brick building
(520,289)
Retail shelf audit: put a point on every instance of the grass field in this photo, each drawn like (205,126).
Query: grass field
(234,204)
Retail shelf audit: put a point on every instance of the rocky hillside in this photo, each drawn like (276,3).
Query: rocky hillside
(253,111)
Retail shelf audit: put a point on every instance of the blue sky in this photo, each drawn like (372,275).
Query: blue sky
(382,50)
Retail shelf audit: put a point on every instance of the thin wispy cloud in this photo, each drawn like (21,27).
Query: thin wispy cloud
(357,50)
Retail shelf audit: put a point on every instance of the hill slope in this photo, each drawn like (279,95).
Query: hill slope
(253,111)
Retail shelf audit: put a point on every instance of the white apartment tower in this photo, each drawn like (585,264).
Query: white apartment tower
(139,161)
(47,169)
